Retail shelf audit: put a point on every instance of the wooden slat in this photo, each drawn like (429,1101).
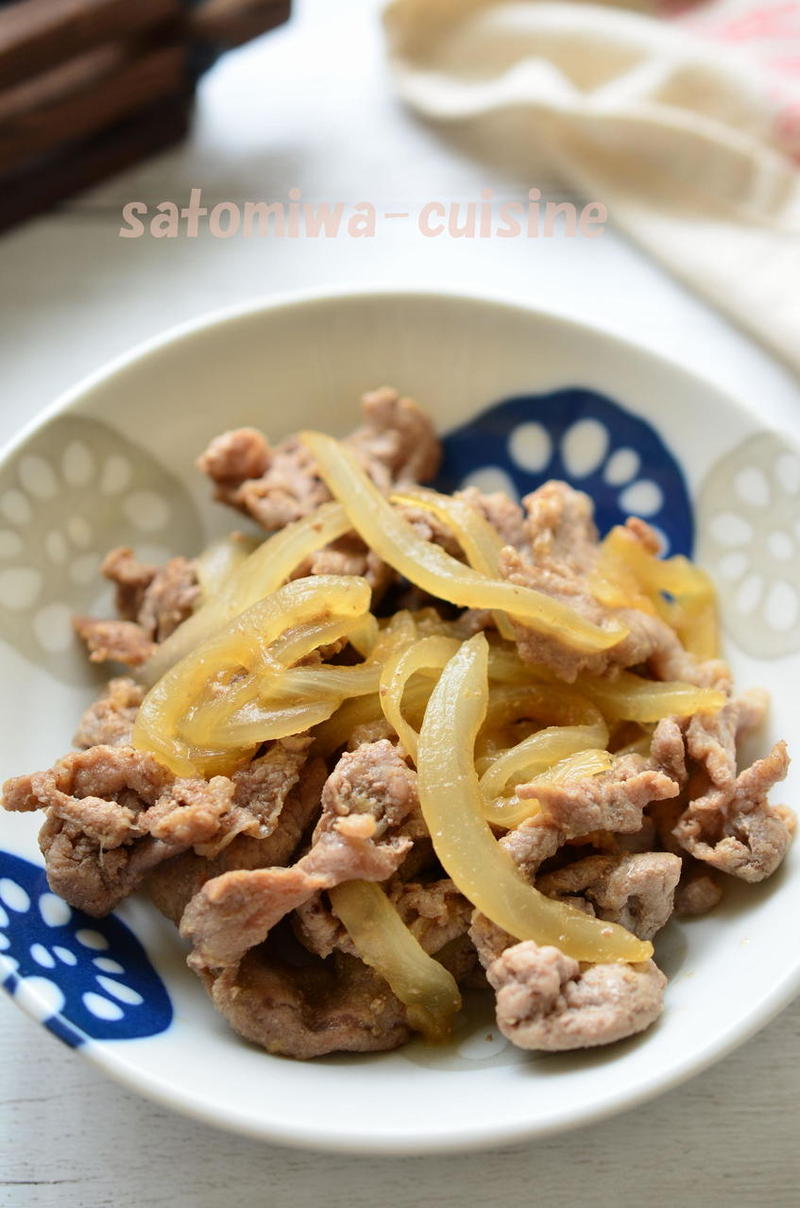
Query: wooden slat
(229,23)
(57,83)
(26,136)
(38,34)
(31,192)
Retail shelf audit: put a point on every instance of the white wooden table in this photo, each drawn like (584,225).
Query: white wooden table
(311,107)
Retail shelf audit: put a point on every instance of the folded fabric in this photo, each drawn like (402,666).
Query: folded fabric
(688,144)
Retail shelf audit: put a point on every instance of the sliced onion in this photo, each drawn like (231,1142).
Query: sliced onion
(384,942)
(430,653)
(629,697)
(429,567)
(257,576)
(539,751)
(481,543)
(194,683)
(452,804)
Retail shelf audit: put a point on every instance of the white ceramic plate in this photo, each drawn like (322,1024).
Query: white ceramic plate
(113,462)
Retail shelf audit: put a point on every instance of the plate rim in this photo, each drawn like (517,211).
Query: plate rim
(107,1055)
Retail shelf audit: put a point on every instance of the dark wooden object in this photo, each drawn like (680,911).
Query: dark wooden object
(88,87)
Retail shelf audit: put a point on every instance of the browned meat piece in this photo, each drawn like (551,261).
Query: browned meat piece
(114,641)
(349,556)
(105,788)
(282,792)
(503,514)
(131,579)
(576,811)
(152,602)
(734,828)
(396,442)
(109,721)
(546,1002)
(88,877)
(434,911)
(727,822)
(560,527)
(371,731)
(430,528)
(668,749)
(697,893)
(636,891)
(114,813)
(158,598)
(648,638)
(318,929)
(234,457)
(341,1006)
(490,940)
(612,801)
(531,843)
(94,800)
(365,802)
(664,815)
(170,598)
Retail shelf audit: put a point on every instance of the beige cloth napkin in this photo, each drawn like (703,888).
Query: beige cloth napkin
(687,142)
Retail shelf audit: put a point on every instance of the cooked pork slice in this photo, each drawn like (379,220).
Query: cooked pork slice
(109,721)
(505,516)
(637,891)
(114,641)
(348,556)
(341,1006)
(96,839)
(728,822)
(113,813)
(546,1002)
(152,602)
(668,748)
(396,443)
(612,801)
(734,828)
(281,790)
(365,802)
(698,891)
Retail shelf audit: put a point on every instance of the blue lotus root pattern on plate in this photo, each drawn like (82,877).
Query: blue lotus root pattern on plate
(749,540)
(81,977)
(77,489)
(585,438)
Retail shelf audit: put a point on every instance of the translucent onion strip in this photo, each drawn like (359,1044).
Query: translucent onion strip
(429,567)
(427,653)
(512,810)
(217,667)
(263,572)
(629,697)
(551,704)
(692,610)
(299,699)
(481,543)
(540,751)
(384,942)
(219,562)
(452,804)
